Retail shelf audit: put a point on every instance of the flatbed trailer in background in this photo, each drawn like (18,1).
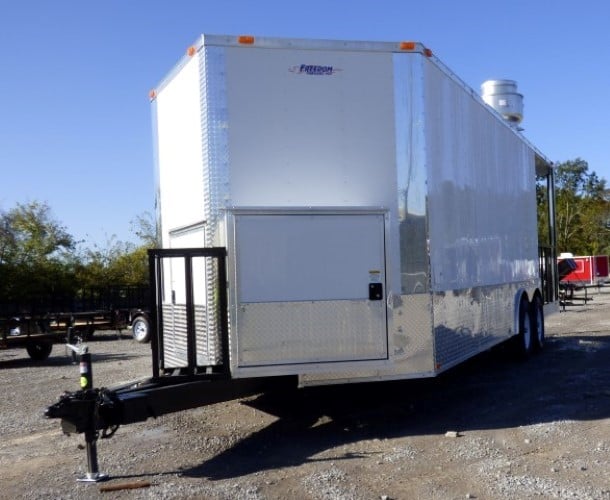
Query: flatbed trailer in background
(39,324)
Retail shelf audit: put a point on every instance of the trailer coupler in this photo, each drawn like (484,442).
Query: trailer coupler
(90,410)
(87,411)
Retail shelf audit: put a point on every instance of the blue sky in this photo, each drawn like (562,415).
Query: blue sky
(75,123)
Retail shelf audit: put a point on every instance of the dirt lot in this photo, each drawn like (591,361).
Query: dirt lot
(491,429)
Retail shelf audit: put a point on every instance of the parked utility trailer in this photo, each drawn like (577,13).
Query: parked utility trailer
(591,270)
(330,212)
(42,321)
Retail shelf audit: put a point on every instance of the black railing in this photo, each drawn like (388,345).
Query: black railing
(189,286)
(547,257)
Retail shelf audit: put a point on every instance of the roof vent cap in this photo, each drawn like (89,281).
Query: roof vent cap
(502,96)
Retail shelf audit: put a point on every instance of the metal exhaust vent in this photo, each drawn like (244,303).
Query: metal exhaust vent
(502,96)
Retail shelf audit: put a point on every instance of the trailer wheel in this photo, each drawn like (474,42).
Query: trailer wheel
(140,329)
(525,338)
(39,350)
(537,321)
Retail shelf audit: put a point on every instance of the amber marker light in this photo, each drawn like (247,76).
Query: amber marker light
(152,94)
(407,45)
(191,51)
(245,39)
(427,52)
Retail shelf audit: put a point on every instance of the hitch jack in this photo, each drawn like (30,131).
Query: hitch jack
(89,398)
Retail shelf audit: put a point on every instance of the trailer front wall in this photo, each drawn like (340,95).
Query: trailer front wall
(308,129)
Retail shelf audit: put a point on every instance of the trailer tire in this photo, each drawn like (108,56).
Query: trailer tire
(39,350)
(537,321)
(140,329)
(524,339)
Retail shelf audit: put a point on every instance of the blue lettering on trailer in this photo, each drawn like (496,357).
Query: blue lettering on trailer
(314,70)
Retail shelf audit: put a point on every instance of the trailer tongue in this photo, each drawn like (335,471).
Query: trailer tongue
(98,412)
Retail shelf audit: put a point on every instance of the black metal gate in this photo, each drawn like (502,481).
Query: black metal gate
(547,257)
(189,315)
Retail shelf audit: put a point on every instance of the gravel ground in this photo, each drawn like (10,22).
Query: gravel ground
(490,429)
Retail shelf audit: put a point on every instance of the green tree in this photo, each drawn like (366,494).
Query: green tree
(36,256)
(99,264)
(120,263)
(144,227)
(42,268)
(582,209)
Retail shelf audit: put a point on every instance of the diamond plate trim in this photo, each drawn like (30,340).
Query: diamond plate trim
(470,321)
(413,348)
(310,332)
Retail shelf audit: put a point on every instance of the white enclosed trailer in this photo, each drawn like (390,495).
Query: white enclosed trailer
(379,218)
(329,212)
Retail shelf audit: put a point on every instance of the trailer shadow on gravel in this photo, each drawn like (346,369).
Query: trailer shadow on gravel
(569,381)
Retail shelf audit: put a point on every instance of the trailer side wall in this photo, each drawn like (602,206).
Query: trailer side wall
(482,219)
